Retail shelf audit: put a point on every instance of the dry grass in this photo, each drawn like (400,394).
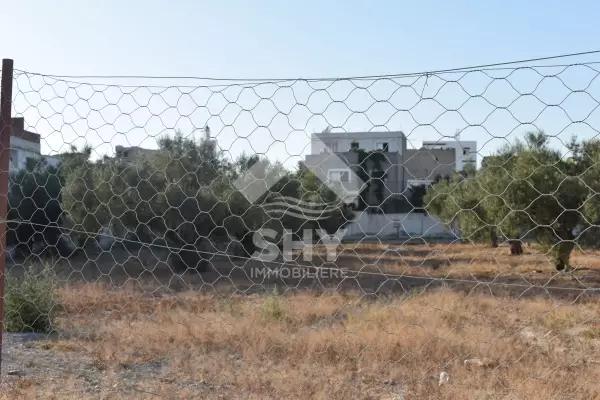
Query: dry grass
(458,260)
(323,346)
(140,343)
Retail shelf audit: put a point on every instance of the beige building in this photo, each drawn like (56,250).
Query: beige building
(23,145)
(130,154)
(413,167)
(427,165)
(403,167)
(466,151)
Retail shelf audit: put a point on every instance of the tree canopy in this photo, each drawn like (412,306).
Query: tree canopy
(527,189)
(184,194)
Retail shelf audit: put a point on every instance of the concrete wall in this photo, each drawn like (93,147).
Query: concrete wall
(130,154)
(394,183)
(20,150)
(425,164)
(23,145)
(382,226)
(340,142)
(321,164)
(465,150)
(420,166)
(414,165)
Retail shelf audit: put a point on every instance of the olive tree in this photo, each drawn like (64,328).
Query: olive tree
(184,194)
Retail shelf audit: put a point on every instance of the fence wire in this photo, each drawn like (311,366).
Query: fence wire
(428,235)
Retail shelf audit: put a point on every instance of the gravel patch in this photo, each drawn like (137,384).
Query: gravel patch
(29,357)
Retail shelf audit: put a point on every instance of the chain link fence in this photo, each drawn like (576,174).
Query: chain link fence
(428,235)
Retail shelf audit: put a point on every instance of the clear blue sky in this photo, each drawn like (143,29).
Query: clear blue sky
(264,39)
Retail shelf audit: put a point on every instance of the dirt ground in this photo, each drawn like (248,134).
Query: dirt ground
(386,328)
(369,268)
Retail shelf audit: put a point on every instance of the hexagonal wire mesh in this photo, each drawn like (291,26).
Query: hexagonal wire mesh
(335,238)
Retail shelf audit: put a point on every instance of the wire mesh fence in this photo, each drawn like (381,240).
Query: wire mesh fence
(424,235)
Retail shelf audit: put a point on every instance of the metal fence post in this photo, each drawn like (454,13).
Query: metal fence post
(5,134)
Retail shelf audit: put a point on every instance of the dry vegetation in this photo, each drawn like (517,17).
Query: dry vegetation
(457,260)
(131,343)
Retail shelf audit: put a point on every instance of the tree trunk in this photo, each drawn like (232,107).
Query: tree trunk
(562,255)
(494,238)
(516,247)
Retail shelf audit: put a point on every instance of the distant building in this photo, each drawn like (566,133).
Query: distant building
(130,154)
(411,168)
(425,166)
(405,167)
(342,142)
(466,151)
(23,145)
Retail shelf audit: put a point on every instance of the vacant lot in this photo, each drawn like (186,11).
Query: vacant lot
(135,330)
(368,268)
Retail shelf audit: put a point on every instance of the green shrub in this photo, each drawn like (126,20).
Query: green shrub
(273,310)
(31,301)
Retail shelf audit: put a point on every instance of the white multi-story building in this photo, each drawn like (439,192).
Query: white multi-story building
(465,150)
(403,167)
(23,145)
(415,166)
(342,142)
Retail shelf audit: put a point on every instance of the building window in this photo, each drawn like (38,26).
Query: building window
(339,175)
(354,146)
(331,146)
(125,154)
(383,146)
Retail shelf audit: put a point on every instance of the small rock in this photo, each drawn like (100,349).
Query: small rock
(14,372)
(390,382)
(479,362)
(560,350)
(393,397)
(444,378)
(528,335)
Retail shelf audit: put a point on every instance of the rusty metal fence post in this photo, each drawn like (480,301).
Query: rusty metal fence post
(5,134)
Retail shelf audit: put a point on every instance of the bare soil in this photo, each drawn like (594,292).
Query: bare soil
(397,317)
